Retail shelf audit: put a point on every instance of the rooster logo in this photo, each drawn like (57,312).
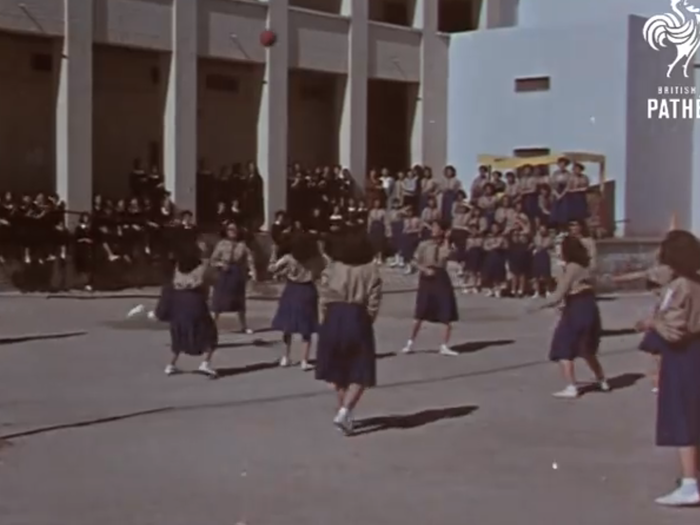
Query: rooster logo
(680,28)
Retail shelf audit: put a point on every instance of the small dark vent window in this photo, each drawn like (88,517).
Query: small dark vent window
(155,75)
(226,83)
(531,84)
(531,152)
(42,62)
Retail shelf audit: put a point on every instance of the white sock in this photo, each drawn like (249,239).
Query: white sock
(343,412)
(409,343)
(689,484)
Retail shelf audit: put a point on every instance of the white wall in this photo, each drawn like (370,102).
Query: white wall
(585,109)
(553,13)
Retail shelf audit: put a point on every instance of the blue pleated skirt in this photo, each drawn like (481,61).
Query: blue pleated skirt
(459,239)
(423,202)
(473,259)
(542,264)
(435,300)
(229,290)
(409,243)
(297,311)
(345,352)
(652,343)
(396,234)
(579,329)
(493,268)
(531,206)
(377,234)
(192,329)
(678,404)
(559,214)
(576,206)
(448,199)
(519,260)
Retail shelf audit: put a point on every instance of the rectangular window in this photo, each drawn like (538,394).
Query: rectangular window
(531,84)
(216,82)
(531,152)
(42,62)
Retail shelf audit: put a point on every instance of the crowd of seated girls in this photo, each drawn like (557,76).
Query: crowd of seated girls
(127,242)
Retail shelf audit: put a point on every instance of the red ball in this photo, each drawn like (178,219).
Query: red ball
(268,38)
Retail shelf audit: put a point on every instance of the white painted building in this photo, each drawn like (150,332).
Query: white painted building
(87,86)
(555,75)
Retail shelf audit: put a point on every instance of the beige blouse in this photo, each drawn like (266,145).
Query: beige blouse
(227,252)
(431,254)
(574,280)
(341,283)
(678,315)
(297,272)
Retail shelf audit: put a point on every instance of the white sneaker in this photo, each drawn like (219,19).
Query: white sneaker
(152,316)
(604,386)
(305,366)
(343,421)
(408,348)
(248,331)
(136,310)
(683,496)
(408,270)
(284,362)
(207,370)
(171,370)
(570,392)
(655,390)
(447,351)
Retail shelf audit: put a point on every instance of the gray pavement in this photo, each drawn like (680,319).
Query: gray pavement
(94,433)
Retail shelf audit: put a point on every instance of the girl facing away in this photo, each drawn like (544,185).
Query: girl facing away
(350,292)
(183,304)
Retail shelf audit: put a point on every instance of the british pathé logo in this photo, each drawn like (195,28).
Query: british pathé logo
(679,29)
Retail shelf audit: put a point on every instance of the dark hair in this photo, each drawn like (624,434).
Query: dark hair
(353,249)
(573,251)
(188,258)
(680,250)
(303,247)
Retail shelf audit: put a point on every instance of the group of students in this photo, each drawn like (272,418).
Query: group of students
(338,297)
(106,243)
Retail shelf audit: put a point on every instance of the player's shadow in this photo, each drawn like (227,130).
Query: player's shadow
(38,337)
(246,369)
(619,382)
(618,332)
(410,421)
(259,343)
(471,347)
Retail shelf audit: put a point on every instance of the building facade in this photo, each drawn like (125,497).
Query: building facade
(87,86)
(553,76)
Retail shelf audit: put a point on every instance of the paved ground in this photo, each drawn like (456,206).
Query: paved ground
(102,437)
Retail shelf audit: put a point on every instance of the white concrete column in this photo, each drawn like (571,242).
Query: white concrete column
(180,123)
(352,146)
(273,122)
(74,108)
(429,130)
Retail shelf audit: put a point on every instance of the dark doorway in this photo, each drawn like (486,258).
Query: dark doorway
(388,124)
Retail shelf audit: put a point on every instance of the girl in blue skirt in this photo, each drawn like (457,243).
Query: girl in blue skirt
(676,325)
(377,230)
(395,218)
(559,215)
(233,261)
(351,290)
(519,262)
(410,237)
(435,300)
(488,203)
(459,234)
(472,261)
(493,263)
(297,311)
(579,329)
(183,304)
(428,216)
(450,188)
(543,244)
(576,196)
